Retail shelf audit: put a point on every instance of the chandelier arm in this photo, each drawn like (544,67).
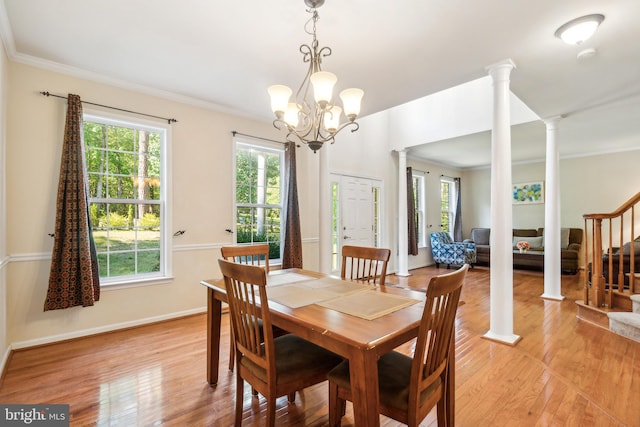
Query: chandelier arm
(344,125)
(324,52)
(307,52)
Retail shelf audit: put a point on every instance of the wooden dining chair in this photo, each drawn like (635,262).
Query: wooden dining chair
(365,264)
(247,254)
(251,255)
(409,387)
(272,366)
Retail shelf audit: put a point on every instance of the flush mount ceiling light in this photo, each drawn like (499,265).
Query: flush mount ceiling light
(313,118)
(580,29)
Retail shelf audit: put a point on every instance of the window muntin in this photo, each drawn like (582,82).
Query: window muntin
(258,195)
(127,198)
(447,204)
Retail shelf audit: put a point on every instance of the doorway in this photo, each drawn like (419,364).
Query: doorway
(355,214)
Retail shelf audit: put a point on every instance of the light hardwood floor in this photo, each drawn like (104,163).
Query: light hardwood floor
(562,372)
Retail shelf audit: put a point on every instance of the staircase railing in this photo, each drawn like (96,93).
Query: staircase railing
(622,272)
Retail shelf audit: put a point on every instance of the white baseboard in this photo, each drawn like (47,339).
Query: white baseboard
(5,359)
(101,329)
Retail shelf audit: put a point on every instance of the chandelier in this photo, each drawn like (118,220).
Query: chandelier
(312,118)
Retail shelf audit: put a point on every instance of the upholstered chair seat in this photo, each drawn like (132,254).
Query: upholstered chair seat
(295,358)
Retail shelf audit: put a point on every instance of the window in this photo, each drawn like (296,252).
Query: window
(335,224)
(258,198)
(127,198)
(447,204)
(376,190)
(418,198)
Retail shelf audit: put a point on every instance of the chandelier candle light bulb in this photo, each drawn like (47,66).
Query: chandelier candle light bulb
(312,118)
(323,82)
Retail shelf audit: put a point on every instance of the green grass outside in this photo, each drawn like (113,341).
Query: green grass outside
(123,263)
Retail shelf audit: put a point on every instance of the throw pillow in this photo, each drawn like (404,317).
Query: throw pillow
(534,242)
(564,238)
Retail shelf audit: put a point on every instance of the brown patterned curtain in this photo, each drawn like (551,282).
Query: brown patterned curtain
(411,215)
(457,222)
(74,278)
(292,252)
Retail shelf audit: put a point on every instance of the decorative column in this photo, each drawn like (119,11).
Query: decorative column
(552,251)
(403,222)
(324,205)
(501,272)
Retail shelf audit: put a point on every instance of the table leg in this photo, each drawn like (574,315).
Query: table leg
(364,388)
(214,314)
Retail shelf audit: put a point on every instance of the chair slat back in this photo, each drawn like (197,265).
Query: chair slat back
(246,289)
(436,331)
(247,254)
(365,264)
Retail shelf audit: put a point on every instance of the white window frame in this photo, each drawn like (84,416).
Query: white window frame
(166,264)
(266,146)
(451,203)
(419,189)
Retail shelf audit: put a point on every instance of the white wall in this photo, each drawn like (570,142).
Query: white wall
(461,110)
(202,195)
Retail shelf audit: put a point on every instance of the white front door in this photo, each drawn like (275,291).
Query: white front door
(356,214)
(356,207)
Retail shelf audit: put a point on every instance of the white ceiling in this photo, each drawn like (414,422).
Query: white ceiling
(225,54)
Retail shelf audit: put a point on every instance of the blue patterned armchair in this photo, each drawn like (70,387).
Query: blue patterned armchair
(446,251)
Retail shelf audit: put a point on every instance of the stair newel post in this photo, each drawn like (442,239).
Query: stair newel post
(597,276)
(621,258)
(589,268)
(610,266)
(632,254)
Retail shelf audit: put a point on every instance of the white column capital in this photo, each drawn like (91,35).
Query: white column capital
(552,122)
(501,70)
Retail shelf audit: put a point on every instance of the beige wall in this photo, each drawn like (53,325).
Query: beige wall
(200,163)
(201,186)
(4,80)
(594,184)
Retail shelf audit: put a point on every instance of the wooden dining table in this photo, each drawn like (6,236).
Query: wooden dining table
(359,340)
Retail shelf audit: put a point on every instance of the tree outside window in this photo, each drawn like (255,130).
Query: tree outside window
(124,165)
(447,204)
(259,189)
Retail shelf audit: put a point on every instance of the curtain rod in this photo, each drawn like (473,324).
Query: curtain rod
(234,133)
(421,171)
(169,121)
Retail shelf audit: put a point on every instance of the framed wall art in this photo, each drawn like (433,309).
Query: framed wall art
(528,192)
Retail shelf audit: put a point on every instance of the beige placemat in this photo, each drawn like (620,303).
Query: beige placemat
(368,305)
(286,278)
(296,295)
(312,291)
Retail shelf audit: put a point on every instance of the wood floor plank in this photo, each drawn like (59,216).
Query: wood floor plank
(564,372)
